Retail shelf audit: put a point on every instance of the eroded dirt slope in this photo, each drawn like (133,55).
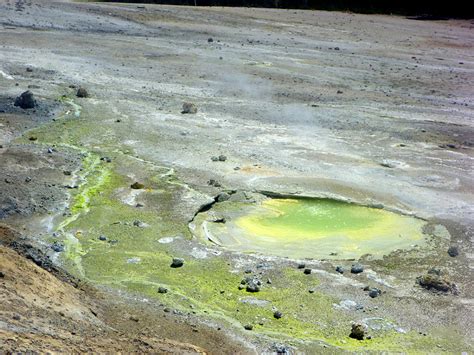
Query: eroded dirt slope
(50,311)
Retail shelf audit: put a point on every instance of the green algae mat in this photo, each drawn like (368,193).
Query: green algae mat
(135,257)
(314,228)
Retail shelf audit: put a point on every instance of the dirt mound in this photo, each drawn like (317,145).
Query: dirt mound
(39,312)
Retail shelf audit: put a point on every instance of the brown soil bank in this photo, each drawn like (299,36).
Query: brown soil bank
(45,311)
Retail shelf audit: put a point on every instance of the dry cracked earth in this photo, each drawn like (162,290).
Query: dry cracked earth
(99,193)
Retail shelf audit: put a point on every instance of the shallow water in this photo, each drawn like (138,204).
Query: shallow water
(317,228)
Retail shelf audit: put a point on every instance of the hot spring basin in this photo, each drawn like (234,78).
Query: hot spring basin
(309,228)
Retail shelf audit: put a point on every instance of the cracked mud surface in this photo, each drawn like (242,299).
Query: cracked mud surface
(373,110)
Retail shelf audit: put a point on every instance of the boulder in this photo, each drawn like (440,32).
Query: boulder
(358,331)
(189,108)
(82,92)
(26,100)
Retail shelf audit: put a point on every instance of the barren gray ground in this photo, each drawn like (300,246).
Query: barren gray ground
(376,110)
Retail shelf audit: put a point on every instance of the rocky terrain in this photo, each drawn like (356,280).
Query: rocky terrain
(143,124)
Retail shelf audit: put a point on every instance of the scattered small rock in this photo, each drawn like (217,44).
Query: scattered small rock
(82,92)
(16,317)
(210,40)
(387,164)
(374,292)
(33,138)
(189,108)
(453,251)
(253,286)
(134,260)
(106,159)
(339,91)
(340,269)
(29,70)
(134,318)
(436,282)
(248,327)
(162,289)
(301,266)
(103,238)
(57,247)
(219,158)
(358,331)
(277,314)
(307,271)
(2,275)
(26,100)
(137,186)
(214,183)
(280,349)
(223,196)
(357,268)
(139,224)
(177,262)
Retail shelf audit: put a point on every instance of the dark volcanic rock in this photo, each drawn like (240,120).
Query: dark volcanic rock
(214,183)
(177,262)
(280,349)
(374,292)
(189,107)
(358,331)
(26,100)
(137,186)
(57,247)
(162,289)
(357,268)
(223,196)
(277,314)
(453,251)
(253,286)
(81,92)
(435,282)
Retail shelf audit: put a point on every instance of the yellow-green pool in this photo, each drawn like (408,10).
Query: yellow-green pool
(315,228)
